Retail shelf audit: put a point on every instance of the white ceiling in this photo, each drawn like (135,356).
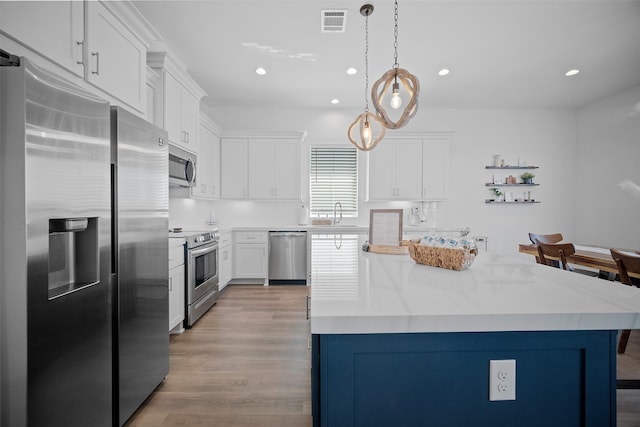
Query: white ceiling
(502,54)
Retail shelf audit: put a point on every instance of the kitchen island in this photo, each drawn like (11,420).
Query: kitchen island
(402,344)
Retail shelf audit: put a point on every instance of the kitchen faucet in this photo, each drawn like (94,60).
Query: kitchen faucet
(335,208)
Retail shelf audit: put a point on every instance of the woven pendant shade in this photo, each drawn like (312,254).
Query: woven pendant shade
(384,85)
(390,82)
(366,131)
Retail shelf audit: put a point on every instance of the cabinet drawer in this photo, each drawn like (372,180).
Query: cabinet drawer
(176,255)
(250,237)
(225,239)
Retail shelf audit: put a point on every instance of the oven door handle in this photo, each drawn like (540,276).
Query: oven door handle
(202,251)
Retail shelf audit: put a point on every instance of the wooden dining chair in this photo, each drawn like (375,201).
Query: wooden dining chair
(628,262)
(545,238)
(561,251)
(555,250)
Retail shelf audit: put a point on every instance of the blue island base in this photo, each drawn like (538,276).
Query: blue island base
(563,378)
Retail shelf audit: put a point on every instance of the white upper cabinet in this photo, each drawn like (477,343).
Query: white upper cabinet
(181,101)
(97,41)
(233,168)
(411,167)
(54,29)
(116,59)
(181,114)
(395,170)
(274,169)
(435,172)
(208,167)
(261,166)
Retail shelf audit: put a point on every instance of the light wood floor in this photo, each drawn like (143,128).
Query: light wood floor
(246,363)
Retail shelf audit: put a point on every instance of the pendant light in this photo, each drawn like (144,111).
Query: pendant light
(392,80)
(362,132)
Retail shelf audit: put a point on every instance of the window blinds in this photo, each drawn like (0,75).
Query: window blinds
(333,177)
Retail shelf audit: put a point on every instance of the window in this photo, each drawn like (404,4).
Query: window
(333,177)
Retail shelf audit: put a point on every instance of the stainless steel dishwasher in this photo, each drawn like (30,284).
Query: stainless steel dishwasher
(288,257)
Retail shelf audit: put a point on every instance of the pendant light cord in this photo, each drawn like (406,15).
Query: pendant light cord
(366,64)
(395,34)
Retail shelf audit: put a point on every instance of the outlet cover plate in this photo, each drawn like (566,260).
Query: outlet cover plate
(502,379)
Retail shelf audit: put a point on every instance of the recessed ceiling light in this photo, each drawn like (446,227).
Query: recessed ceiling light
(444,72)
(351,71)
(261,71)
(335,101)
(572,72)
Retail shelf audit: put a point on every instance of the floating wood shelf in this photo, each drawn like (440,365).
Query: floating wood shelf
(511,167)
(488,184)
(516,202)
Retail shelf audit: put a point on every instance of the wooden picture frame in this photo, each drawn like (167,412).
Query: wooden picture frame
(385,227)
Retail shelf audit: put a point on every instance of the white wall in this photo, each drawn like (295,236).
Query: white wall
(609,134)
(546,138)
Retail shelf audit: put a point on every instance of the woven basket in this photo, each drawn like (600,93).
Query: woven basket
(452,259)
(403,249)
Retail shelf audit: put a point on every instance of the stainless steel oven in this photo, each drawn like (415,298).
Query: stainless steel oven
(201,274)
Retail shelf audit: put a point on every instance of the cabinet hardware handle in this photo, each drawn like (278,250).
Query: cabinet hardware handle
(170,284)
(81,44)
(97,55)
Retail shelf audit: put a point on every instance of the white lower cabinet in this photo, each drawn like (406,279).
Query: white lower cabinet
(226,260)
(176,285)
(250,255)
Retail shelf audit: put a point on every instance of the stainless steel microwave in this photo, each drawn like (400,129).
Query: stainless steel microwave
(182,167)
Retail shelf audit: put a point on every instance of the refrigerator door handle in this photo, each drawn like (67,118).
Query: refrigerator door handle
(114,222)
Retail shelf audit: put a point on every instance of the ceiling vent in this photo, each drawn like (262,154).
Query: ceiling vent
(333,21)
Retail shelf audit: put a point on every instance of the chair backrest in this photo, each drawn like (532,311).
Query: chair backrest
(628,261)
(545,238)
(557,250)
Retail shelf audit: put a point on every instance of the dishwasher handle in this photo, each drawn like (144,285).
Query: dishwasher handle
(287,233)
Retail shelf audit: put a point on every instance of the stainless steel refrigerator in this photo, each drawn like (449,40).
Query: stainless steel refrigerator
(75,289)
(140,167)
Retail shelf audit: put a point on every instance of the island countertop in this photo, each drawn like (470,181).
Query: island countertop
(355,292)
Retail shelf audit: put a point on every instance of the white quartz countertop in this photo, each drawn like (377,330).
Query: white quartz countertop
(417,230)
(359,292)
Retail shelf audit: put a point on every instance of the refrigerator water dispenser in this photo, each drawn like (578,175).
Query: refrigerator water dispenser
(73,255)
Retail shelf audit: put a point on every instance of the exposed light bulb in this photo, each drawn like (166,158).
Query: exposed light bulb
(366,133)
(396,101)
(261,71)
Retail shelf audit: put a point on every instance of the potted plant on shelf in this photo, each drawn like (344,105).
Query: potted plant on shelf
(527,178)
(498,194)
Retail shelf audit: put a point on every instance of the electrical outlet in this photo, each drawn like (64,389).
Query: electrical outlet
(502,379)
